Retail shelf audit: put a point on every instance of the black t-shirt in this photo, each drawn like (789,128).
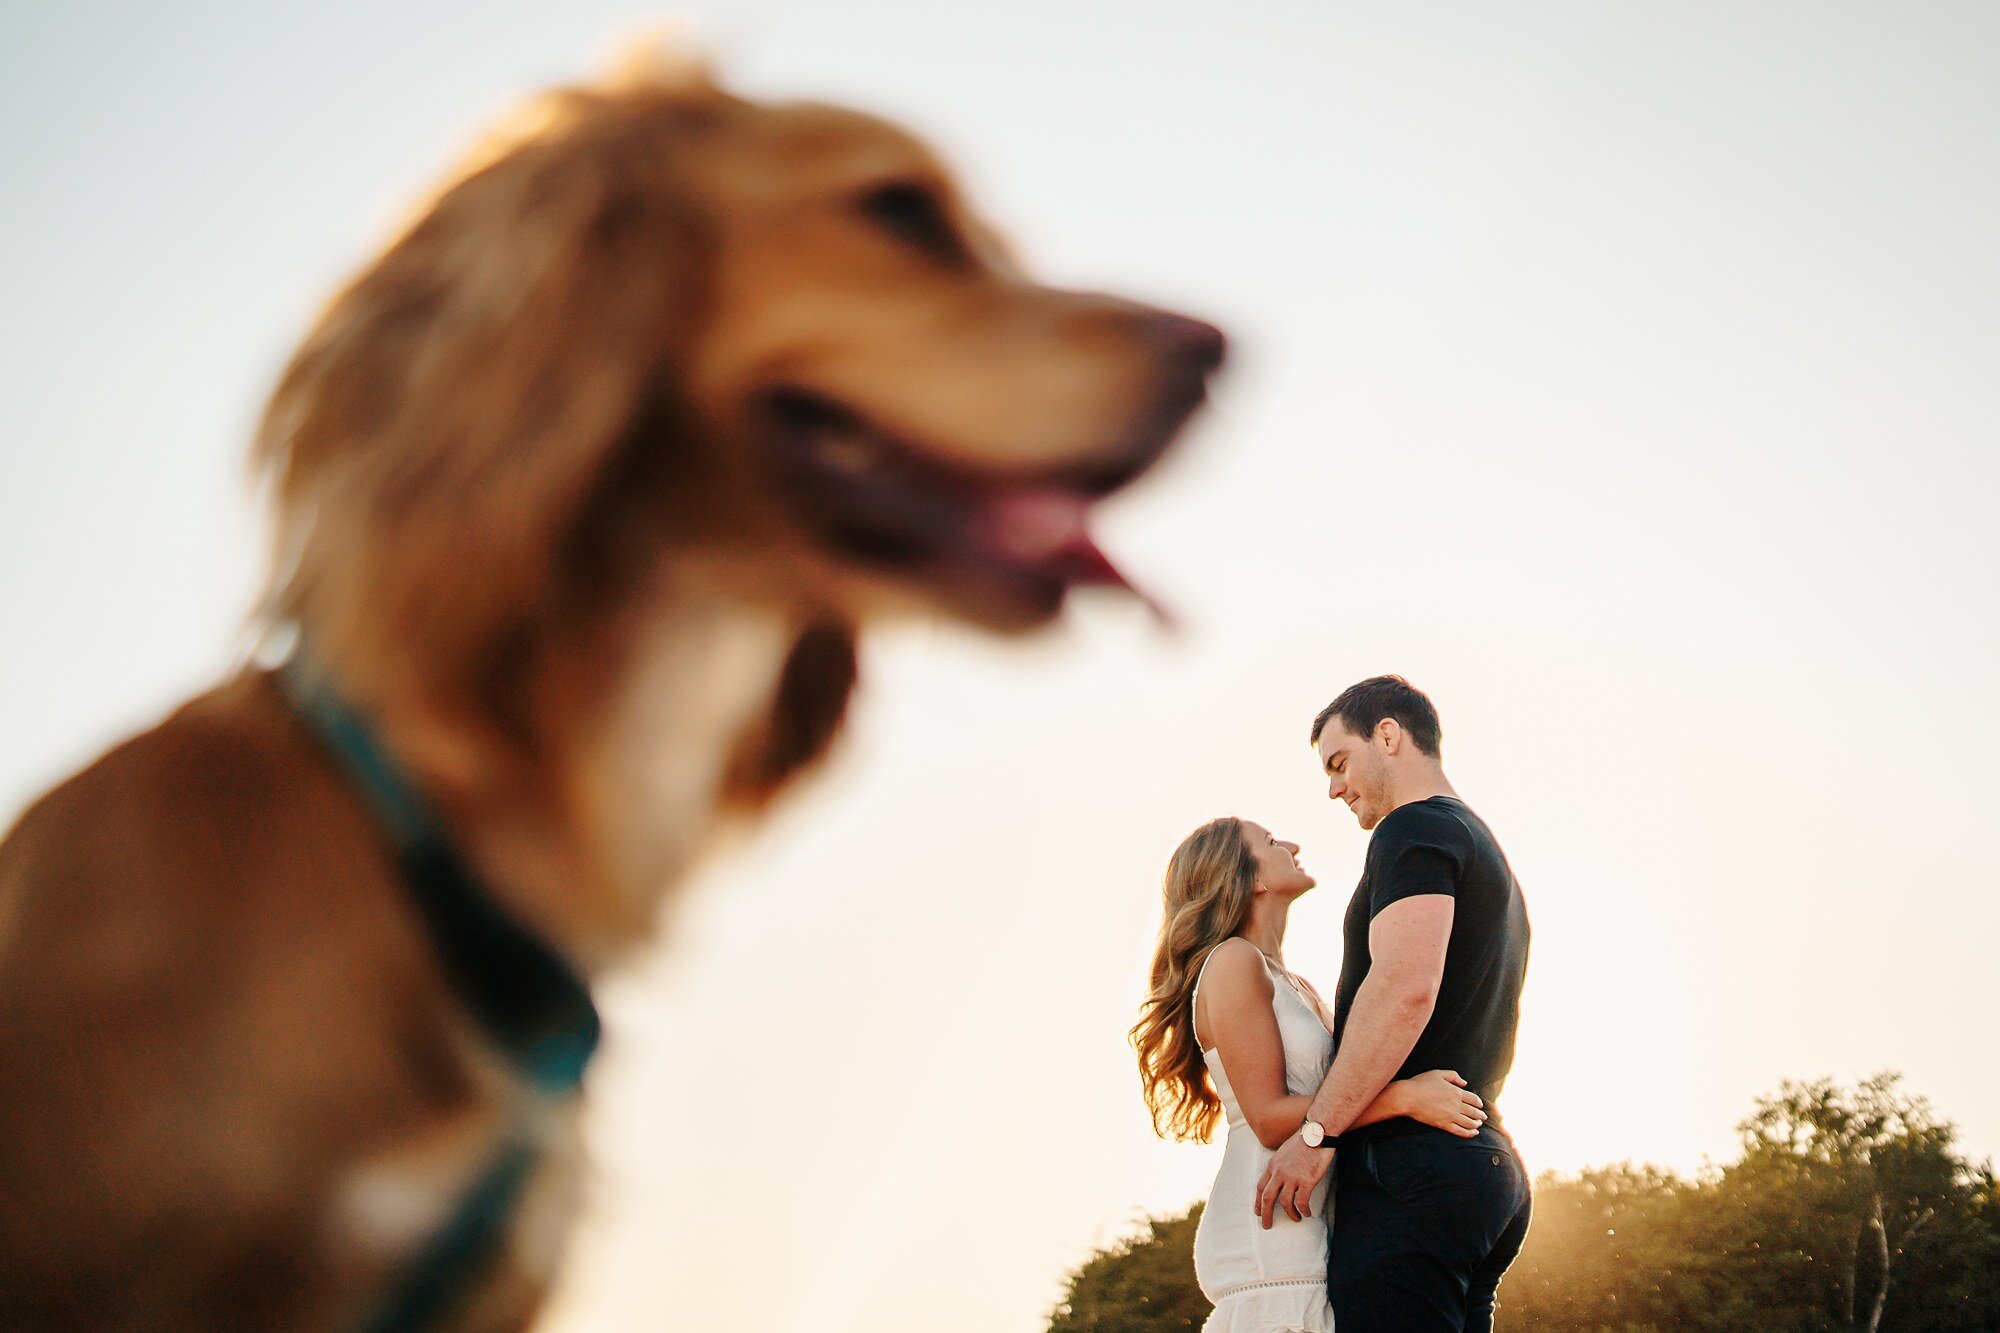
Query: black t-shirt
(1439,846)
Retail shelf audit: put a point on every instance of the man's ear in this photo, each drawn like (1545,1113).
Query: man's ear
(1390,732)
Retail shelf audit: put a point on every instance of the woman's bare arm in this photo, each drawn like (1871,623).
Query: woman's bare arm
(1233,1017)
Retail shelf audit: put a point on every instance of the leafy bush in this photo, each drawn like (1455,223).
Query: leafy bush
(1850,1211)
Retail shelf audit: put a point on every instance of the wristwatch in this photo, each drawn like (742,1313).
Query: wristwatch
(1315,1135)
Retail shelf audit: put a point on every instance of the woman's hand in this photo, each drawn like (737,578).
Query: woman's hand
(1441,1098)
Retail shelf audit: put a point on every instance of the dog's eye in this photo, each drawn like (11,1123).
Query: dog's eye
(912,213)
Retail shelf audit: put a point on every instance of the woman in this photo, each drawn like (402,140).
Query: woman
(1228,1033)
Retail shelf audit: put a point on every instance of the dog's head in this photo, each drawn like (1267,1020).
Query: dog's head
(658,321)
(922,419)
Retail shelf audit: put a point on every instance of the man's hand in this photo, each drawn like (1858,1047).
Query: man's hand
(1289,1179)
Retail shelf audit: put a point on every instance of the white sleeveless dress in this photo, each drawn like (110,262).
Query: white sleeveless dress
(1266,1281)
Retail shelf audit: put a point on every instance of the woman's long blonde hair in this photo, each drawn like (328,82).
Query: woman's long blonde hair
(1207,895)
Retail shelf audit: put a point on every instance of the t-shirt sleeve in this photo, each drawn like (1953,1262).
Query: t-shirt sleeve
(1414,856)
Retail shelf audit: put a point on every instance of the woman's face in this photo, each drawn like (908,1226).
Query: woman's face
(1278,868)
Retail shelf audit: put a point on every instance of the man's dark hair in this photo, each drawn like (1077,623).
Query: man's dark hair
(1360,707)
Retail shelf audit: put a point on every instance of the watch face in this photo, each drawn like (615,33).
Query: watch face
(1313,1133)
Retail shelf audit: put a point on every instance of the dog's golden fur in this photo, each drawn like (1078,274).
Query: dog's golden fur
(581,489)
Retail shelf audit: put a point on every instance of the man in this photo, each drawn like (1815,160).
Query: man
(1435,949)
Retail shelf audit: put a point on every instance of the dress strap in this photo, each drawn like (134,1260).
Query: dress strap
(1206,959)
(1194,996)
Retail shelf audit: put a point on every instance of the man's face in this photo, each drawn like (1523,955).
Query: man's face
(1357,771)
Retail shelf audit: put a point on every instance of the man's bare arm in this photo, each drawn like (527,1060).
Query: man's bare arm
(1406,948)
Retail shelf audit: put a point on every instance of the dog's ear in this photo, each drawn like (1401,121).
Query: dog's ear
(805,715)
(447,417)
(666,57)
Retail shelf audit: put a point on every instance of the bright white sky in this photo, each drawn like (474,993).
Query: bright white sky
(1624,375)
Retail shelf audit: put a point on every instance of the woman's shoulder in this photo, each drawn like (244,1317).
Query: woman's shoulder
(1237,965)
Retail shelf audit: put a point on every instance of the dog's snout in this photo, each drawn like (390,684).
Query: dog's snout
(1194,344)
(1184,352)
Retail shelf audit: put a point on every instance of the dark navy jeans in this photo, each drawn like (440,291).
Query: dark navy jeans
(1424,1224)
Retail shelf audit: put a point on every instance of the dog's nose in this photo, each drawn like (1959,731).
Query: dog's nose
(1194,344)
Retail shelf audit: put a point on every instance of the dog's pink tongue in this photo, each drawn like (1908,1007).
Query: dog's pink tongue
(1050,528)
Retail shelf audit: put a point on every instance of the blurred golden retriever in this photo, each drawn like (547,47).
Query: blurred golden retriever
(581,490)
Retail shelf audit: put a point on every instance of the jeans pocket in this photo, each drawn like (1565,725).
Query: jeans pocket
(1443,1168)
(1402,1167)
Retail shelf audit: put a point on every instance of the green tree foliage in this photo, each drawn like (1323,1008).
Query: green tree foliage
(1601,1253)
(1142,1284)
(1857,1199)
(1849,1211)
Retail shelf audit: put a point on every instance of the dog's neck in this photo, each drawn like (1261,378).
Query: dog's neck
(644,740)
(650,774)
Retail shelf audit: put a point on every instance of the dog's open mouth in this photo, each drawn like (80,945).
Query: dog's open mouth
(1008,547)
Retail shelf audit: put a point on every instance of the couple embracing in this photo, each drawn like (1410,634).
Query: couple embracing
(1367,1183)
